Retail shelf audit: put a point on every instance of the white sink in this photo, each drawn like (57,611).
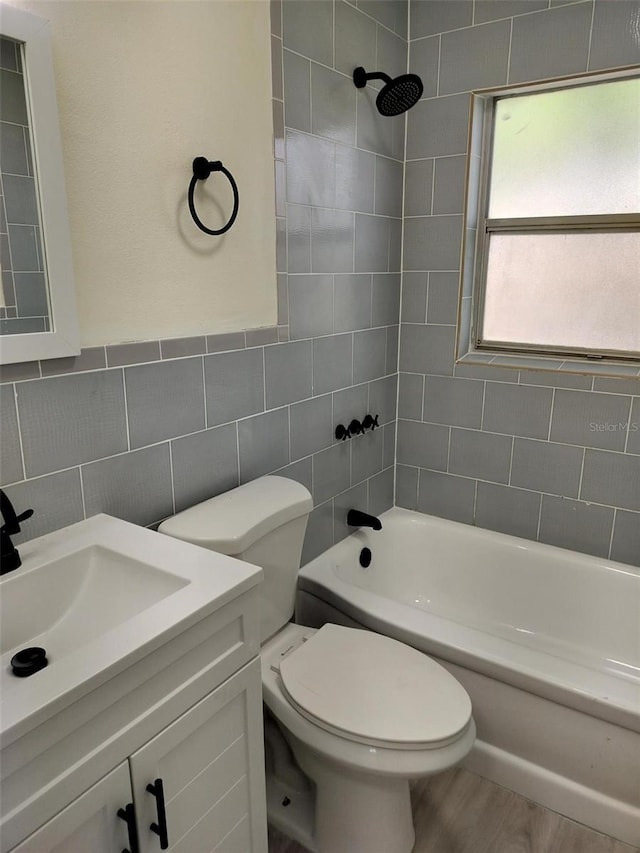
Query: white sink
(98,596)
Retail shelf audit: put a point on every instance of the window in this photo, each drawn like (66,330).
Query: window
(557,260)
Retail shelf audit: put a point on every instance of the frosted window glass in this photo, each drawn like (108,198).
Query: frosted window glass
(571,290)
(567,152)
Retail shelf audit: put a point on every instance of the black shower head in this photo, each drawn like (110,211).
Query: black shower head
(396,96)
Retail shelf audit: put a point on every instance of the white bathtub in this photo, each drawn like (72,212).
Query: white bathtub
(546,642)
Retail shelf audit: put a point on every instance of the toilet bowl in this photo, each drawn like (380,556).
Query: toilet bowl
(361,713)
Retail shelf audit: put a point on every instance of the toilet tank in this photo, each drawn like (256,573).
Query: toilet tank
(262,522)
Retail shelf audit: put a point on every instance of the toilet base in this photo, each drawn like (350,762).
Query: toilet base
(356,812)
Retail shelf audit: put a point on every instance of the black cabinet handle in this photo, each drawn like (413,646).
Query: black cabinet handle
(129,817)
(160,828)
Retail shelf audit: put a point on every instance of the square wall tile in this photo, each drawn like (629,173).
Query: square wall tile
(491,10)
(435,16)
(234,384)
(263,444)
(310,169)
(164,400)
(418,187)
(332,236)
(68,420)
(612,479)
(372,243)
(414,297)
(388,187)
(333,105)
(522,410)
(422,445)
(455,402)
(446,496)
(311,424)
(134,486)
(424,57)
(485,49)
(297,91)
(448,189)
(288,373)
(575,525)
(56,501)
(355,179)
(319,535)
(427,349)
(442,306)
(350,403)
(432,243)
(332,363)
(355,39)
(588,419)
(369,355)
(507,510)
(406,487)
(307,28)
(437,127)
(331,471)
(381,492)
(204,465)
(546,467)
(481,455)
(352,302)
(614,39)
(366,455)
(551,43)
(310,305)
(383,395)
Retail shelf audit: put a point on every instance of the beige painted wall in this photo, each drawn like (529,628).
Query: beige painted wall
(143,88)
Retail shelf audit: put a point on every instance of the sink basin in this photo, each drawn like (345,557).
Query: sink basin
(99,596)
(70,601)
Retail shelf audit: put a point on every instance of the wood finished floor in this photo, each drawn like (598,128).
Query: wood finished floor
(459,812)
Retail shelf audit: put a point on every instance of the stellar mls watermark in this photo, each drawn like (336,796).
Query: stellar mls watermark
(620,426)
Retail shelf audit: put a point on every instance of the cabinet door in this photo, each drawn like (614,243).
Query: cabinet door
(88,824)
(211,766)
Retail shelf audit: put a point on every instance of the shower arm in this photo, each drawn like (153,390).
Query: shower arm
(361,77)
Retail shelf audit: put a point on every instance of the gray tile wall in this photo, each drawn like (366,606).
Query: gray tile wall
(552,457)
(146,429)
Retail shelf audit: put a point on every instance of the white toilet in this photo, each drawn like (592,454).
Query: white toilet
(362,713)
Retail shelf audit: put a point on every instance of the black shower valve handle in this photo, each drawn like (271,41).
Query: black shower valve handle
(370,422)
(342,432)
(355,427)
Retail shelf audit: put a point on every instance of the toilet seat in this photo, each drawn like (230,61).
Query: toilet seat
(369,688)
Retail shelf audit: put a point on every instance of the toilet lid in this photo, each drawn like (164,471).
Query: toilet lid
(370,688)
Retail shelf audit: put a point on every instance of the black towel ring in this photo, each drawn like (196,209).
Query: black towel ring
(202,168)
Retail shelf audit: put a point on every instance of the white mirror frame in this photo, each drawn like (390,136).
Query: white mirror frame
(64,339)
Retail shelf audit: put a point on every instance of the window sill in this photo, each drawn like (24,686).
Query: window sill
(584,367)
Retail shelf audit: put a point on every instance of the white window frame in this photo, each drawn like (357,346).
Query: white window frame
(479,227)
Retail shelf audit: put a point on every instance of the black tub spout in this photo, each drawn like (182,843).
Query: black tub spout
(355,518)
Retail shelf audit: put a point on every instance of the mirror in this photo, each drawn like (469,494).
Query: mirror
(37,301)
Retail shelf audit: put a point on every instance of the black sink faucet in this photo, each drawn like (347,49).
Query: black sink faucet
(355,518)
(9,557)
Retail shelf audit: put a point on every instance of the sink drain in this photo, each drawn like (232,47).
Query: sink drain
(27,661)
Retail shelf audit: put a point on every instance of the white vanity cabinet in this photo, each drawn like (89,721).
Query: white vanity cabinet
(199,783)
(90,823)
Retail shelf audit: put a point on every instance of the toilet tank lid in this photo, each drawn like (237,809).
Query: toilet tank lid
(231,522)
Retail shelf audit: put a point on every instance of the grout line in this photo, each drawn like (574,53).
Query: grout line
(173,490)
(509,51)
(593,14)
(204,395)
(584,456)
(82,497)
(613,527)
(126,408)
